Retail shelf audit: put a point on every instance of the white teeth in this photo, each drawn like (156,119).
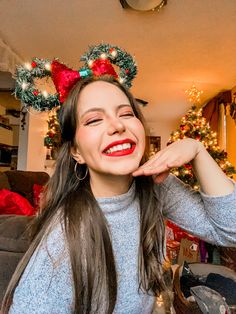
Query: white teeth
(118,147)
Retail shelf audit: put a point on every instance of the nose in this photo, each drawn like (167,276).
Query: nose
(115,125)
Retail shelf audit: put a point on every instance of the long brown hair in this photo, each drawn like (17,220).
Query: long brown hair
(91,257)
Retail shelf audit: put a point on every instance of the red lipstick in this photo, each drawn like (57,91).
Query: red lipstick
(122,152)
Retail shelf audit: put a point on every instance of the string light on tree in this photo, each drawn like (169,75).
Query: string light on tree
(194,125)
(52,139)
(193,94)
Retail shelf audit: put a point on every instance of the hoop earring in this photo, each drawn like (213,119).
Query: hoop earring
(75,171)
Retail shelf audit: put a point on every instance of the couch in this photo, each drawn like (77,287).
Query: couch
(14,242)
(22,182)
(14,231)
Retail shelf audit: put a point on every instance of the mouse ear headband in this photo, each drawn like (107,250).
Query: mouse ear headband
(98,61)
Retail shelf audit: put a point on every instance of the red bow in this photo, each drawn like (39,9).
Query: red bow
(65,78)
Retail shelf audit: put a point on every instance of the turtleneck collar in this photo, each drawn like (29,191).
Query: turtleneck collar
(118,202)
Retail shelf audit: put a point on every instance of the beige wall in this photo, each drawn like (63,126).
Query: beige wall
(32,153)
(6,136)
(162,129)
(15,129)
(8,100)
(2,110)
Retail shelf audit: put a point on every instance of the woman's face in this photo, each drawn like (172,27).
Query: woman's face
(109,137)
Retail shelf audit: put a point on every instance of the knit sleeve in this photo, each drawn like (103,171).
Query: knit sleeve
(46,284)
(211,218)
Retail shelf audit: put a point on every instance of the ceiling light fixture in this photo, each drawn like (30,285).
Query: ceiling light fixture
(144,5)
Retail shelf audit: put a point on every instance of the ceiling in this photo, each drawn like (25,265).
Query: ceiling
(186,42)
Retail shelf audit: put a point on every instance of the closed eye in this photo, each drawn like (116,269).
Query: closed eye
(127,114)
(91,122)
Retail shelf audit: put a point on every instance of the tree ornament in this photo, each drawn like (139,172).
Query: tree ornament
(201,131)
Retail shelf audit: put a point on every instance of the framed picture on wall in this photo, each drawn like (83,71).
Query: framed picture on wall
(155,144)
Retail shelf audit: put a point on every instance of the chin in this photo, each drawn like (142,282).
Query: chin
(124,170)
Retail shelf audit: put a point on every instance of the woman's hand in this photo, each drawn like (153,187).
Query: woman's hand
(173,156)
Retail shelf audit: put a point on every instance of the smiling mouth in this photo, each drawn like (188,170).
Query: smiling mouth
(120,150)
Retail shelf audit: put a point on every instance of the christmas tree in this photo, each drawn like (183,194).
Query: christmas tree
(194,125)
(52,139)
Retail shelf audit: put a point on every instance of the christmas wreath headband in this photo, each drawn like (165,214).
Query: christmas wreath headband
(99,60)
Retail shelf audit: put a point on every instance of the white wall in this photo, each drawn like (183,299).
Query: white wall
(32,153)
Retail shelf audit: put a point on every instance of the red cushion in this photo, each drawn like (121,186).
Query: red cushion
(179,233)
(37,190)
(14,203)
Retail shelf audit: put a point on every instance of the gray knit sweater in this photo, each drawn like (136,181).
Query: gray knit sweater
(46,286)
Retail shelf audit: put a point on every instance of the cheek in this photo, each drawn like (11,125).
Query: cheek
(141,133)
(85,139)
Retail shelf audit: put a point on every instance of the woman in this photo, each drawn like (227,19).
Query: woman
(98,244)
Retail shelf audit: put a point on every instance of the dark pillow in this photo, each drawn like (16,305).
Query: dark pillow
(14,203)
(22,182)
(14,241)
(4,183)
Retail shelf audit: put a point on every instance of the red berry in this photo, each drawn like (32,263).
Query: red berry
(34,64)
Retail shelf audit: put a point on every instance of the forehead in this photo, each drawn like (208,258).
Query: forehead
(101,94)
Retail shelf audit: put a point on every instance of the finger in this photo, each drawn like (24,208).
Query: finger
(152,160)
(161,177)
(151,170)
(138,172)
(155,163)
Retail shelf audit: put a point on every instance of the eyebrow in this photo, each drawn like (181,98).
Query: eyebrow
(102,110)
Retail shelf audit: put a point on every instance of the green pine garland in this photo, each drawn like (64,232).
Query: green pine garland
(116,56)
(39,68)
(25,89)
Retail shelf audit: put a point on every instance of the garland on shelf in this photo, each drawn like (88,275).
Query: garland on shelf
(98,61)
